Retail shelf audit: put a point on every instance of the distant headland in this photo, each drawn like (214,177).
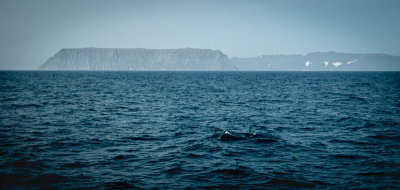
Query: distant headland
(193,59)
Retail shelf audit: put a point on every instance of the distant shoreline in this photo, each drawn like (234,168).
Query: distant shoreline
(195,59)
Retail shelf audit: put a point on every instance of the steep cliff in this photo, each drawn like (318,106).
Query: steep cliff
(138,59)
(190,59)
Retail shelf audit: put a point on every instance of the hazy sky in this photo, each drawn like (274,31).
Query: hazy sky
(31,31)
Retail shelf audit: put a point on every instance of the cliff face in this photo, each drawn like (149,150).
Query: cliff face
(320,61)
(213,60)
(138,59)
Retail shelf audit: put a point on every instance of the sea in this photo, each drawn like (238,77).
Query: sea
(199,130)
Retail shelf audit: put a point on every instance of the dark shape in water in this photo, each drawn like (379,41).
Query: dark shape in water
(227,136)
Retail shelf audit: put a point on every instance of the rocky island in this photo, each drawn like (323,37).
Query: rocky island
(191,59)
(139,59)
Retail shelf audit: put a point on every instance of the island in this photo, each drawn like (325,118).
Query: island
(139,59)
(194,59)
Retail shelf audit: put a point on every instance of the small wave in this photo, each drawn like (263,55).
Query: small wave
(194,147)
(47,179)
(320,183)
(232,172)
(358,98)
(386,164)
(266,140)
(26,105)
(8,145)
(63,131)
(275,161)
(383,111)
(280,173)
(342,141)
(6,126)
(307,128)
(348,156)
(119,185)
(363,83)
(378,174)
(182,117)
(123,156)
(93,141)
(6,99)
(230,136)
(369,124)
(133,109)
(191,155)
(289,182)
(225,186)
(17,181)
(74,165)
(62,144)
(113,150)
(389,123)
(81,176)
(144,138)
(360,143)
(24,163)
(174,170)
(344,118)
(280,128)
(385,137)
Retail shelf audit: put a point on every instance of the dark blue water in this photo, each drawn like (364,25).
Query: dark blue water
(283,130)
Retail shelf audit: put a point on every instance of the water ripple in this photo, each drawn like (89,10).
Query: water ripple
(199,130)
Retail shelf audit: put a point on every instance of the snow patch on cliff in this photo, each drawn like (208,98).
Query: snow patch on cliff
(349,62)
(337,64)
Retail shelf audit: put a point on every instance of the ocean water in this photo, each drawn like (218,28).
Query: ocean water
(176,130)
